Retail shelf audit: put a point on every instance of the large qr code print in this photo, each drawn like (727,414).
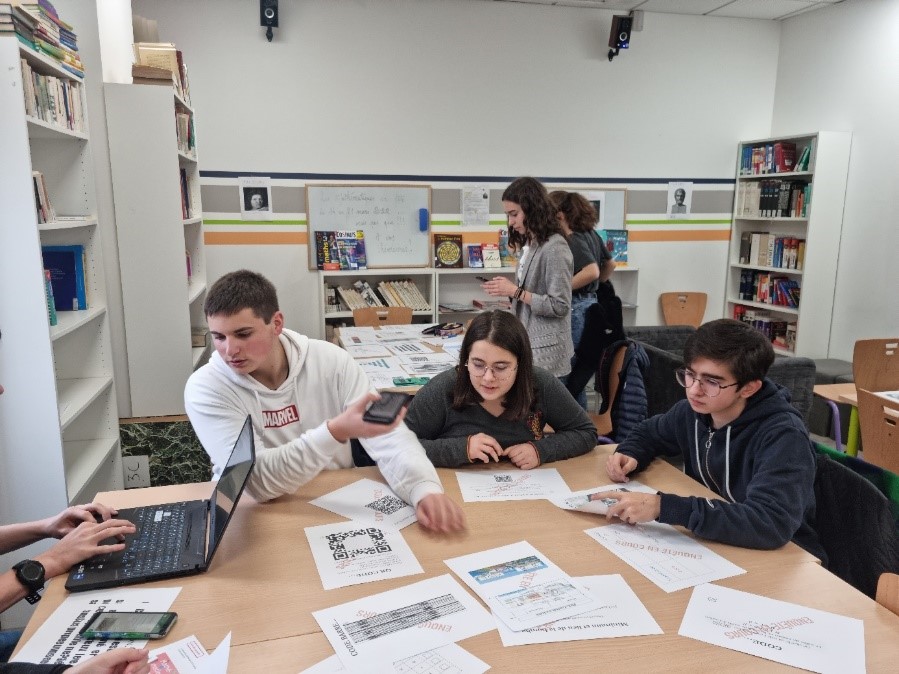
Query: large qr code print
(387,505)
(357,543)
(502,478)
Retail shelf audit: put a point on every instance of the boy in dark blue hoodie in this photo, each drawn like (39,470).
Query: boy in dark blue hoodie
(739,435)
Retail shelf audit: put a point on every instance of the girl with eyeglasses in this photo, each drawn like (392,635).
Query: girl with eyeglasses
(495,404)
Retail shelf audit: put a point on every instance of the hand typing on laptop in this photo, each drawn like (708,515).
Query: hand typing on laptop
(80,535)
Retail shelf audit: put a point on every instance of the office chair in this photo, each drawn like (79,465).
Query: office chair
(683,308)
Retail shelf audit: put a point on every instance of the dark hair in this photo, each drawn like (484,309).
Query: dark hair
(539,212)
(240,290)
(681,190)
(745,351)
(579,213)
(504,330)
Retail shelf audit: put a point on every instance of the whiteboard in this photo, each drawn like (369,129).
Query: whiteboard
(388,214)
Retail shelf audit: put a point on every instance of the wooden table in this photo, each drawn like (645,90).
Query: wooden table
(844,393)
(263,584)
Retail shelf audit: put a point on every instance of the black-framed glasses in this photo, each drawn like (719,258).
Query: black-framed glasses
(712,387)
(500,371)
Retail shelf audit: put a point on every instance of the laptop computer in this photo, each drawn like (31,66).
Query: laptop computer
(172,539)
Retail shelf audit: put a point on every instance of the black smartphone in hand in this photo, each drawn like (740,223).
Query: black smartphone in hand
(385,410)
(483,279)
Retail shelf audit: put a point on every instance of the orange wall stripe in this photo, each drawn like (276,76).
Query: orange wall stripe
(678,235)
(254,238)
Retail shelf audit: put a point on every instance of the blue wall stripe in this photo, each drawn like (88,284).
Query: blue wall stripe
(459,179)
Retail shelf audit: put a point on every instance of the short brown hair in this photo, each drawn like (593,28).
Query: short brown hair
(239,290)
(579,213)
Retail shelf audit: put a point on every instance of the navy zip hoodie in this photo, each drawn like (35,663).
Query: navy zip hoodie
(762,464)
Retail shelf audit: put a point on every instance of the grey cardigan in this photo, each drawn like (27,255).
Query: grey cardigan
(546,274)
(444,432)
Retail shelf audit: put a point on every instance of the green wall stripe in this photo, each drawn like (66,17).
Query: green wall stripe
(678,223)
(253,222)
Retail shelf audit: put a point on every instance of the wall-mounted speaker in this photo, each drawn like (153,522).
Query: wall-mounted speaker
(268,13)
(620,36)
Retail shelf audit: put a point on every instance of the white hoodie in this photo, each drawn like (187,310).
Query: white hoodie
(293,444)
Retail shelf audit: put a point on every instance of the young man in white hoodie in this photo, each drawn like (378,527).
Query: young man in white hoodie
(306,398)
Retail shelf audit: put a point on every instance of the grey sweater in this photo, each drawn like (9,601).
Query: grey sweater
(444,431)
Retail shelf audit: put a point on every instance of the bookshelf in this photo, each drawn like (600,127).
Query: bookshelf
(816,220)
(151,167)
(58,417)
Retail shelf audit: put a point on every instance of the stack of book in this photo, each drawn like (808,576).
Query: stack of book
(65,265)
(403,293)
(165,55)
(54,37)
(15,20)
(779,157)
(186,209)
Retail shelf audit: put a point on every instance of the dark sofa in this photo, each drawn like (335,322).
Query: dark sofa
(664,345)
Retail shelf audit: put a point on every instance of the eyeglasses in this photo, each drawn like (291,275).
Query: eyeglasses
(711,387)
(500,371)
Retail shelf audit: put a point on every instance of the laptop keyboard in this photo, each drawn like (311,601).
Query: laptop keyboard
(157,545)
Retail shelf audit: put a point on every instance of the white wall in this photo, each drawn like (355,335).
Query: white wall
(456,87)
(850,82)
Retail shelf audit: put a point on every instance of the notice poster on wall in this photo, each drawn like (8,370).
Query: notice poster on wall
(255,197)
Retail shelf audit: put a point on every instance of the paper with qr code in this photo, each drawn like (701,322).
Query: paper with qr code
(368,501)
(511,485)
(349,553)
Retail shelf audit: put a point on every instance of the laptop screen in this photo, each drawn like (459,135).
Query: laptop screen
(230,486)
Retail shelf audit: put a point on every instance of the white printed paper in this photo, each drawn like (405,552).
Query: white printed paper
(367,350)
(381,381)
(449,659)
(361,335)
(620,614)
(368,501)
(403,348)
(522,587)
(349,553)
(57,640)
(255,197)
(794,635)
(511,485)
(668,558)
(188,656)
(389,366)
(580,500)
(369,634)
(475,206)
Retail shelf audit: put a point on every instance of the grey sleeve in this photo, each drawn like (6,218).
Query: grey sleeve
(426,418)
(573,432)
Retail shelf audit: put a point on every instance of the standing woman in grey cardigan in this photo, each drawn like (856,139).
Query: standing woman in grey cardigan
(542,297)
(495,404)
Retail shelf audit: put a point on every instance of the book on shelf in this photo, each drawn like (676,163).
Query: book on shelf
(804,158)
(616,244)
(164,55)
(784,156)
(51,303)
(351,249)
(475,256)
(66,267)
(506,256)
(505,305)
(491,256)
(186,209)
(326,256)
(45,210)
(447,250)
(141,74)
(367,293)
(454,307)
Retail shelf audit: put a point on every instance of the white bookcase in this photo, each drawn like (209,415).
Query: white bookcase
(161,302)
(820,226)
(455,286)
(58,418)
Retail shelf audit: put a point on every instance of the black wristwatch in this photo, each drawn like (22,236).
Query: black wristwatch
(31,574)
